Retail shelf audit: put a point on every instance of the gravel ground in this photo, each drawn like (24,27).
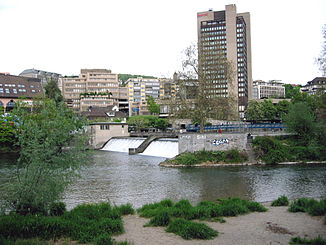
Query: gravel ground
(276,226)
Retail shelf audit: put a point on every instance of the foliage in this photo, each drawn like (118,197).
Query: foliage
(85,223)
(162,218)
(141,122)
(7,133)
(125,77)
(154,109)
(302,241)
(281,201)
(311,206)
(191,230)
(195,98)
(282,108)
(321,60)
(57,208)
(198,157)
(269,110)
(53,92)
(254,111)
(291,91)
(301,120)
(52,148)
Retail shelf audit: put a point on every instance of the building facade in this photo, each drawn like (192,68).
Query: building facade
(93,87)
(44,76)
(271,89)
(139,90)
(317,85)
(226,35)
(13,88)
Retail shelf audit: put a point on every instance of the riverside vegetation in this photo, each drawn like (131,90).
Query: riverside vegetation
(96,223)
(233,156)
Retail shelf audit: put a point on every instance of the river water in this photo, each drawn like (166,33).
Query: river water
(137,179)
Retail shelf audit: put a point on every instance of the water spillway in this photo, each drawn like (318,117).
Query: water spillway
(167,147)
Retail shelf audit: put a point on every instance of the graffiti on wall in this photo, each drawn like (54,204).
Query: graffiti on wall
(220,141)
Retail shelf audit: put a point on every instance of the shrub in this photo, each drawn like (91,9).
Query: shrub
(104,239)
(301,205)
(125,209)
(57,208)
(316,241)
(191,230)
(281,201)
(160,219)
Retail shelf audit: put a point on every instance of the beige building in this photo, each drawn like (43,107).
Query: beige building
(101,132)
(270,89)
(93,87)
(226,34)
(317,85)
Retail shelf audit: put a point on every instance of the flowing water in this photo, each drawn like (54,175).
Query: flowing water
(121,178)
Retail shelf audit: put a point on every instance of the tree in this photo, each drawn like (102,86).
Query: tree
(52,91)
(282,108)
(291,91)
(301,120)
(154,109)
(321,60)
(52,147)
(200,78)
(254,111)
(7,132)
(269,110)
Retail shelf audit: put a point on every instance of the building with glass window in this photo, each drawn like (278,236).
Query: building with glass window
(12,88)
(226,35)
(272,89)
(315,86)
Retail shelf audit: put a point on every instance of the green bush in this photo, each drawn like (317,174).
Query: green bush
(311,206)
(57,208)
(104,239)
(301,241)
(281,201)
(162,218)
(125,209)
(191,230)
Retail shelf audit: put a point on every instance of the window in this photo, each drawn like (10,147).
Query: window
(105,127)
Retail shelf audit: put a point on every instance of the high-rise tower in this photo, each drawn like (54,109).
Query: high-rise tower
(226,34)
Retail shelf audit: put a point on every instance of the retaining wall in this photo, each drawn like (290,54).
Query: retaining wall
(214,141)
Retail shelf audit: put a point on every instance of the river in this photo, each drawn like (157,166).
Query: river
(137,179)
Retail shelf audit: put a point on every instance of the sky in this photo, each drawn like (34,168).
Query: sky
(148,37)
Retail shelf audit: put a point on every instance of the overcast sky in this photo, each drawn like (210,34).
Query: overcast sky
(148,36)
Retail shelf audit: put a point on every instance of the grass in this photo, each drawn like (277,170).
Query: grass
(281,201)
(198,157)
(311,206)
(301,241)
(86,223)
(165,213)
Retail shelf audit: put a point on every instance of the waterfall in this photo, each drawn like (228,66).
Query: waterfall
(122,145)
(160,148)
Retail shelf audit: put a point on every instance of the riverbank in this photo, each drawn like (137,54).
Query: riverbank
(276,226)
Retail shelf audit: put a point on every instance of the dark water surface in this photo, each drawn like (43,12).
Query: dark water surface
(121,178)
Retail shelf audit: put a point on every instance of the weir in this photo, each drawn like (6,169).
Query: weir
(167,147)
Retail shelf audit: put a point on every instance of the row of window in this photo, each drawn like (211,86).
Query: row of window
(215,28)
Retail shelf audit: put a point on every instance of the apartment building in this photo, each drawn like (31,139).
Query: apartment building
(317,85)
(139,90)
(271,89)
(226,35)
(93,87)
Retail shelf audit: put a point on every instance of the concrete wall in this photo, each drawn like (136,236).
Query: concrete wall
(100,133)
(214,141)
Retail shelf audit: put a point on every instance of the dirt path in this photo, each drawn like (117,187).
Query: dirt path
(276,226)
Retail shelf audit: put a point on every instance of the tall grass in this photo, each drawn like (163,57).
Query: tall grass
(281,201)
(86,223)
(311,206)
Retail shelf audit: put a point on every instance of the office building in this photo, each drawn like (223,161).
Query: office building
(226,35)
(44,76)
(271,89)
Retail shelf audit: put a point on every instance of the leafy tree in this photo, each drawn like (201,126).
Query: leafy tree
(52,91)
(254,111)
(321,60)
(152,106)
(52,147)
(291,91)
(301,120)
(196,98)
(7,132)
(269,109)
(282,108)
(161,123)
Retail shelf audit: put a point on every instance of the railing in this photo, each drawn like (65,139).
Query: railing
(237,127)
